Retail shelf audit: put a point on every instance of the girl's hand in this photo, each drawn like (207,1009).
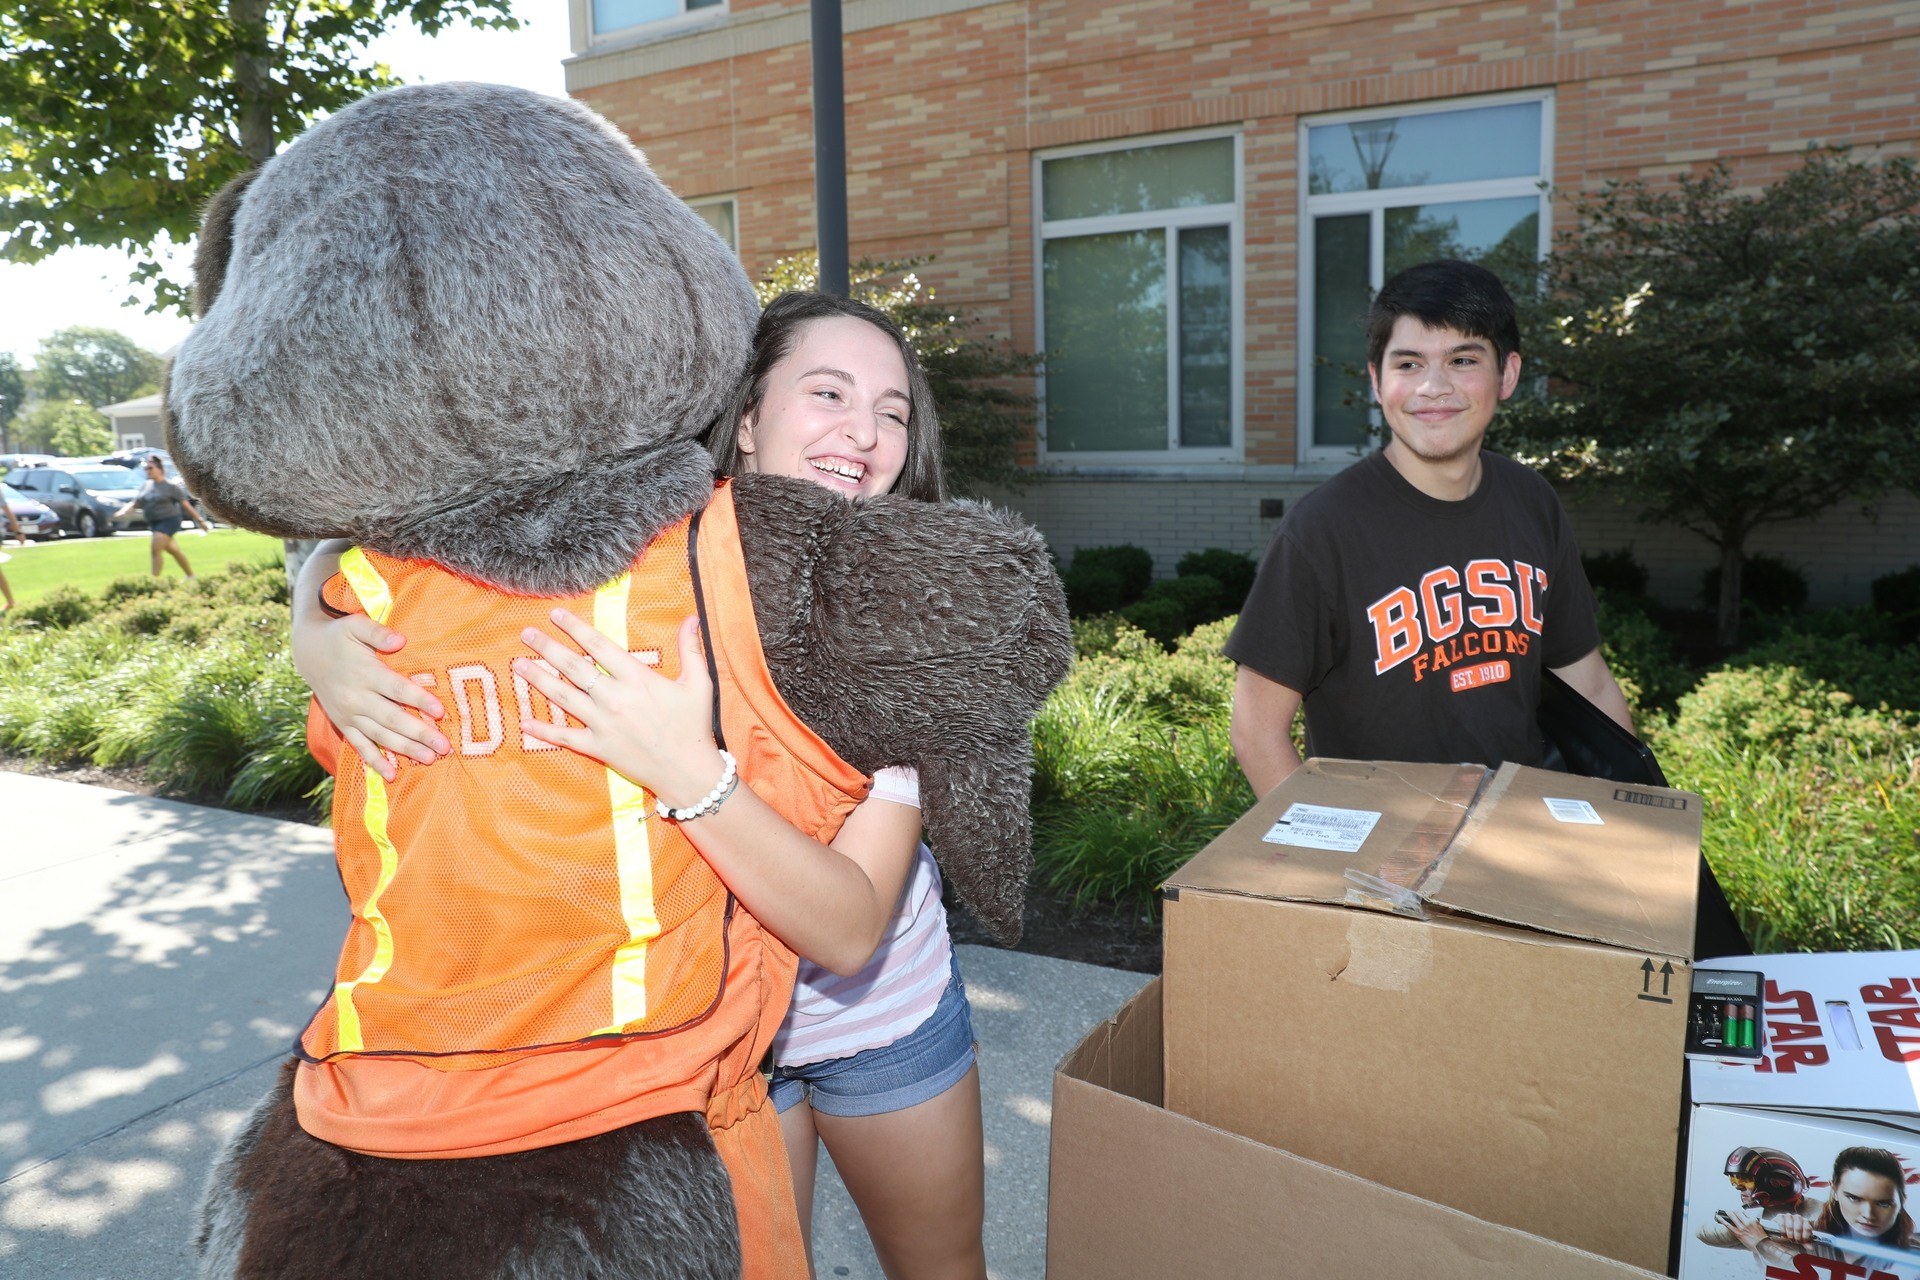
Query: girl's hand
(371,704)
(655,731)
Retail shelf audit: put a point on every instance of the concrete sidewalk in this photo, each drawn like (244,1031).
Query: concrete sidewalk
(157,959)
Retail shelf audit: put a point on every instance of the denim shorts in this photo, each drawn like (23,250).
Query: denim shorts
(923,1064)
(168,525)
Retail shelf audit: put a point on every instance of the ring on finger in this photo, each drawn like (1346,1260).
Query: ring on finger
(593,678)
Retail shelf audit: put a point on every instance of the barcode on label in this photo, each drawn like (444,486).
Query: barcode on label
(1573,811)
(1314,826)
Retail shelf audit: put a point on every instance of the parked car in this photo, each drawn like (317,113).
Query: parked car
(81,511)
(8,461)
(37,519)
(136,458)
(113,485)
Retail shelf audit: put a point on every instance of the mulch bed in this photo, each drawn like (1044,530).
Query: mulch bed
(1118,938)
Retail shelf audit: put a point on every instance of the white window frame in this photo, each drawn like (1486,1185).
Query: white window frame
(133,440)
(1376,203)
(1169,219)
(587,36)
(707,202)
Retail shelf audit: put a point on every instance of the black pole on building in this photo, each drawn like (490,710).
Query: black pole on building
(829,148)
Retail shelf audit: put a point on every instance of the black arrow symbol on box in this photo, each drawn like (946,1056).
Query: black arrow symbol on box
(1646,981)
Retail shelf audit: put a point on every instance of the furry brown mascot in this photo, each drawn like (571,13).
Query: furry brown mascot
(465,326)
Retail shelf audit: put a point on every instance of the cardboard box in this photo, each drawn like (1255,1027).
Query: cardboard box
(1136,1192)
(1468,988)
(1792,1162)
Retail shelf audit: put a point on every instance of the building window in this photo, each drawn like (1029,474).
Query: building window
(1139,248)
(610,16)
(1387,190)
(719,213)
(133,440)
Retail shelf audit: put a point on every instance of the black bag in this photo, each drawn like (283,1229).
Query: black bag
(1582,739)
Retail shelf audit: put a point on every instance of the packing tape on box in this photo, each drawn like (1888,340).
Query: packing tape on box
(1417,867)
(1384,954)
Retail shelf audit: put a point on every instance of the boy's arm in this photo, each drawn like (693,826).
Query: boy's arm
(1262,729)
(1591,678)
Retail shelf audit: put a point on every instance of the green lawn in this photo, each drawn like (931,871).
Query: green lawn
(90,563)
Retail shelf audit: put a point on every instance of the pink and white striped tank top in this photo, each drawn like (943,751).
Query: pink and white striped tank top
(835,1016)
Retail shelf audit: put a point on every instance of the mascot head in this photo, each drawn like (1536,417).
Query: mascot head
(463,323)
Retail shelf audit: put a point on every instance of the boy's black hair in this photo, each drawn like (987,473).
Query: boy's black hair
(1447,294)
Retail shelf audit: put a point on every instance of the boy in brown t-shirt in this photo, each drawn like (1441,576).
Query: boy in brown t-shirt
(1412,601)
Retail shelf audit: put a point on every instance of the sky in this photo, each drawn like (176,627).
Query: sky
(87,286)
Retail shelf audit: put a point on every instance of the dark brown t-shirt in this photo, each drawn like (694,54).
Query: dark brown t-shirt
(1415,628)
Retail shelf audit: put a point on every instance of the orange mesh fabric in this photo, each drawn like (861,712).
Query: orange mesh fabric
(536,854)
(495,921)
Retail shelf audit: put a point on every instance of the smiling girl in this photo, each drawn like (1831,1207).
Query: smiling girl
(876,1058)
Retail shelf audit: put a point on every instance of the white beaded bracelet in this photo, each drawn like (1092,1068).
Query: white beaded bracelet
(729,776)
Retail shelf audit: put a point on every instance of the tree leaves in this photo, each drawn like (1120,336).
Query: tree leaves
(1732,358)
(120,118)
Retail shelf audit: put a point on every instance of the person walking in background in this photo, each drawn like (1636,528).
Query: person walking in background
(162,504)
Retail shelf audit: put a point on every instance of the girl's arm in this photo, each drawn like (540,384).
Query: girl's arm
(201,520)
(831,903)
(371,704)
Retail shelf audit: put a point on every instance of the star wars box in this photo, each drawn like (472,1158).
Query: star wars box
(1841,1032)
(1469,987)
(1825,1115)
(1785,1196)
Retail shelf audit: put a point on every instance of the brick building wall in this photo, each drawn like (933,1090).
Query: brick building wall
(949,100)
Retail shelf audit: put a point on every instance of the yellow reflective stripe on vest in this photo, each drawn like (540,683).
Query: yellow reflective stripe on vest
(377,600)
(633,856)
(346,1016)
(367,584)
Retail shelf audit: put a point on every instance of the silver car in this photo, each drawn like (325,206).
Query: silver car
(37,519)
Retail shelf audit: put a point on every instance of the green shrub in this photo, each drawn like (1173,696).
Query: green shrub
(1640,654)
(1812,807)
(1233,570)
(1896,597)
(147,618)
(1875,675)
(1106,579)
(1174,606)
(279,769)
(1767,583)
(1180,788)
(1093,591)
(59,608)
(1617,571)
(1095,634)
(121,590)
(1132,769)
(1162,618)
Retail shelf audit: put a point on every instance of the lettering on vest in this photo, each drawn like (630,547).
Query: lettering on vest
(1455,619)
(474,690)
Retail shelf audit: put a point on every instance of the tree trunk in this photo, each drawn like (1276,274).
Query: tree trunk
(253,77)
(1732,555)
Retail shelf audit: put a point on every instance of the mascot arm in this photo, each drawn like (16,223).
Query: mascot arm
(922,634)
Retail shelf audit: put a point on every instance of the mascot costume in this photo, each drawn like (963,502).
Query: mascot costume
(465,327)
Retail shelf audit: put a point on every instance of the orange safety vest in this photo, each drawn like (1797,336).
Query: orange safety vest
(535,956)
